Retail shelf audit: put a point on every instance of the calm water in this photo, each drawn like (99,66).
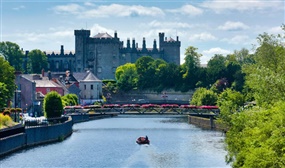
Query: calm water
(111,143)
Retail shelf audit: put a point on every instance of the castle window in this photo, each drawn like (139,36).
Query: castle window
(99,70)
(91,87)
(84,87)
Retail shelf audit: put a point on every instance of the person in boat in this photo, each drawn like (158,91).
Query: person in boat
(146,138)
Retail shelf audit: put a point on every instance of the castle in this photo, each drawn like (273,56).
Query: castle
(102,53)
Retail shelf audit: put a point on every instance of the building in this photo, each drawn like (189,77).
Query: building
(32,88)
(102,53)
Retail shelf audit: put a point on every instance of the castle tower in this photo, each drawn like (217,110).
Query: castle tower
(81,37)
(170,49)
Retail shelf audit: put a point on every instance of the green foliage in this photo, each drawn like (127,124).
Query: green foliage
(126,76)
(13,54)
(256,137)
(146,72)
(69,100)
(37,61)
(229,102)
(202,96)
(53,105)
(5,121)
(7,82)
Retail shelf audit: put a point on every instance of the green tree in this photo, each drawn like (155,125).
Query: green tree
(190,67)
(216,68)
(256,137)
(229,102)
(127,77)
(266,78)
(7,82)
(13,54)
(146,72)
(69,100)
(202,96)
(53,105)
(37,61)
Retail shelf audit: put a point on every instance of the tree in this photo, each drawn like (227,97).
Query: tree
(7,82)
(216,68)
(190,67)
(146,72)
(202,96)
(256,137)
(13,54)
(229,102)
(69,100)
(53,105)
(127,77)
(37,61)
(266,78)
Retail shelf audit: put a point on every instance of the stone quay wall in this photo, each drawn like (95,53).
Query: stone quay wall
(35,136)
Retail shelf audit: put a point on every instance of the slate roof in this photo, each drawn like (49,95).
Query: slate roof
(46,83)
(102,35)
(90,77)
(170,39)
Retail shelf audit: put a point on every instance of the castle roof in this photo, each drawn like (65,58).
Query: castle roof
(102,35)
(170,39)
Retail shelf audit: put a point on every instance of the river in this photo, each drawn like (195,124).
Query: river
(110,142)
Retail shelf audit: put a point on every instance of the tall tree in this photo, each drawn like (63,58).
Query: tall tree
(37,61)
(7,82)
(266,77)
(13,54)
(190,66)
(216,67)
(146,72)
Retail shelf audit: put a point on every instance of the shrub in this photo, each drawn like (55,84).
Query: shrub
(53,105)
(5,121)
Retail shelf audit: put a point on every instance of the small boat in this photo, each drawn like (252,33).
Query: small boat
(142,140)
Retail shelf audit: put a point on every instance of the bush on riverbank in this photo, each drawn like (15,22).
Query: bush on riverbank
(6,121)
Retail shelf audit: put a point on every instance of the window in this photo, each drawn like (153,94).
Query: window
(91,87)
(99,70)
(48,90)
(84,87)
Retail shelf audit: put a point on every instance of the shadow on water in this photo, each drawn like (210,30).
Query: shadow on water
(149,156)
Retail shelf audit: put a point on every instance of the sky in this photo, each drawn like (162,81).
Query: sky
(212,26)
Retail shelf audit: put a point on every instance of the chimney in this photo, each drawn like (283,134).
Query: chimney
(43,72)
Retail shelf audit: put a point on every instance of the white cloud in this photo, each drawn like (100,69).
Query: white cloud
(68,9)
(242,5)
(208,54)
(187,10)
(233,26)
(239,39)
(217,50)
(202,37)
(19,7)
(96,28)
(157,24)
(275,30)
(112,10)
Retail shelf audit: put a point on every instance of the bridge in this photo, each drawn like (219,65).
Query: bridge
(148,109)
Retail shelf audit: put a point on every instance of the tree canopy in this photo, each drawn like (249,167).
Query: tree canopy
(37,61)
(7,82)
(13,54)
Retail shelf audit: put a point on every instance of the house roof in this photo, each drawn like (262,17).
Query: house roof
(90,77)
(46,83)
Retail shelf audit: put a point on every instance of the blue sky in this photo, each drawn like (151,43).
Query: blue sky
(212,26)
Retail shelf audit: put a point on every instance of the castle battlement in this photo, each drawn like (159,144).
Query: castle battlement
(103,61)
